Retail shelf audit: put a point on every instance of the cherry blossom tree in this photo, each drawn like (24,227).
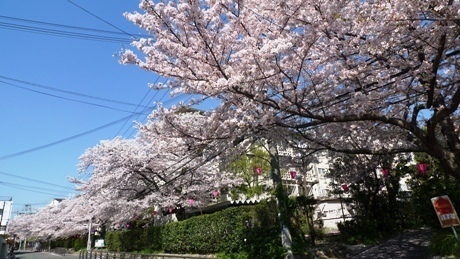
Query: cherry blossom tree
(52,221)
(169,164)
(371,77)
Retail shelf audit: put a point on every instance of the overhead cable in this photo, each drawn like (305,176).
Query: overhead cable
(64,98)
(99,18)
(54,29)
(70,138)
(32,180)
(69,92)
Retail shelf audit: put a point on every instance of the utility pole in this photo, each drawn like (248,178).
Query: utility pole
(88,244)
(286,239)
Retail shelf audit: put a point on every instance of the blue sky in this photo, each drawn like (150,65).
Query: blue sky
(37,73)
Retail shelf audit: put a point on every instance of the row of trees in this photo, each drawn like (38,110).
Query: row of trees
(359,77)
(157,172)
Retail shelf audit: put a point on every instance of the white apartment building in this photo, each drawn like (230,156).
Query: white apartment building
(313,181)
(6,209)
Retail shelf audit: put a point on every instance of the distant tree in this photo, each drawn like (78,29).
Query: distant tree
(249,168)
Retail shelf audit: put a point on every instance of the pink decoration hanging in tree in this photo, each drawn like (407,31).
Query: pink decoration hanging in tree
(259,170)
(293,174)
(385,172)
(422,167)
(345,187)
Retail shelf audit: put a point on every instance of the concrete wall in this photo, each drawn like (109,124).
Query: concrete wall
(3,248)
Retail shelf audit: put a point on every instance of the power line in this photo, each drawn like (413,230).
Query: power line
(65,26)
(69,92)
(123,31)
(67,31)
(41,203)
(33,180)
(84,36)
(69,138)
(147,109)
(15,185)
(99,18)
(151,101)
(64,98)
(30,190)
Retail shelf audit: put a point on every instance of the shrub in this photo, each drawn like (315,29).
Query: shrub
(78,244)
(249,232)
(444,243)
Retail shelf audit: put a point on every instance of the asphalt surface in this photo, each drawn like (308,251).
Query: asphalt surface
(42,255)
(412,244)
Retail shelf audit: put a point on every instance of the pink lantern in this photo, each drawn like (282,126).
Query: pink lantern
(293,174)
(422,167)
(345,187)
(258,170)
(215,193)
(385,172)
(155,212)
(191,201)
(170,210)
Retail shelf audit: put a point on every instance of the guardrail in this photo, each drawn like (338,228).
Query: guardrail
(95,254)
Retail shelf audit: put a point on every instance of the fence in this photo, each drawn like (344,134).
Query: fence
(95,254)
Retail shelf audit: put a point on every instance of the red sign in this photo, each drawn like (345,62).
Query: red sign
(445,210)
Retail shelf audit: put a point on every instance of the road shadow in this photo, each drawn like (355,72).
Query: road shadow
(412,244)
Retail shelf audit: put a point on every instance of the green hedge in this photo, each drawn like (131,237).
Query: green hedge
(134,240)
(250,231)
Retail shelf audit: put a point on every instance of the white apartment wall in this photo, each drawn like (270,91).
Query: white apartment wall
(6,206)
(55,202)
(331,212)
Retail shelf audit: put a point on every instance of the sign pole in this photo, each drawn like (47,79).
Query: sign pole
(455,233)
(446,213)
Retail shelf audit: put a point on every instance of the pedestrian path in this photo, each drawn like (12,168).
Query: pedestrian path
(411,244)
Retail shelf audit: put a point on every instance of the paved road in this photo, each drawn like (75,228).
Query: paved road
(412,244)
(42,255)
